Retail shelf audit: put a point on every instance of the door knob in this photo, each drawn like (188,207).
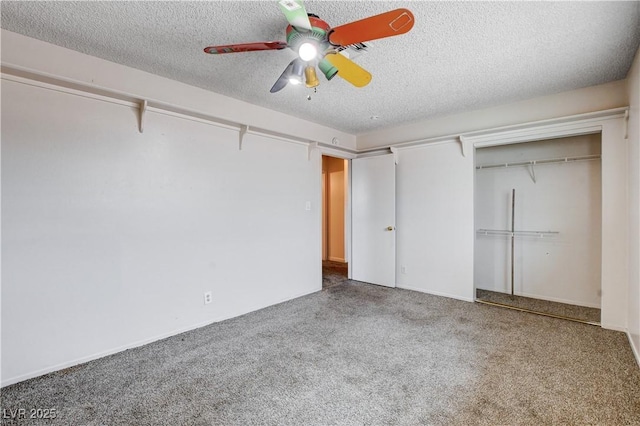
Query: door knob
(390,228)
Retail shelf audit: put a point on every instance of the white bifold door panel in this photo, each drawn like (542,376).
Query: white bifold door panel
(373,236)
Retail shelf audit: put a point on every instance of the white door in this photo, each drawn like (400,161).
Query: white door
(373,215)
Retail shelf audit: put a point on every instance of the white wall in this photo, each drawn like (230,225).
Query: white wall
(634,205)
(615,229)
(111,237)
(435,221)
(565,198)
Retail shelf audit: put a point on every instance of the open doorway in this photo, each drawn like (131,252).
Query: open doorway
(335,265)
(538,217)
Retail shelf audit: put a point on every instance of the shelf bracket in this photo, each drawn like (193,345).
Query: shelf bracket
(310,148)
(532,171)
(396,154)
(243,131)
(143,109)
(464,144)
(626,124)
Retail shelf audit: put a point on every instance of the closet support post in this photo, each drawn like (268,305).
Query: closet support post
(513,237)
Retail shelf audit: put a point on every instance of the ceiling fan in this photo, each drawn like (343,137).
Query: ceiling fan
(317,44)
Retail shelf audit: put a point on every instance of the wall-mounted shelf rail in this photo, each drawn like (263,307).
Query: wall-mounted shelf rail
(509,233)
(144,106)
(540,162)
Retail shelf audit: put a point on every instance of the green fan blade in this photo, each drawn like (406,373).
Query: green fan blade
(295,13)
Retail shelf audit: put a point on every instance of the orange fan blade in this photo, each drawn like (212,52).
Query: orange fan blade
(394,22)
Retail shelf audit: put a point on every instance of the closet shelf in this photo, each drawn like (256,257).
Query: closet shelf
(509,233)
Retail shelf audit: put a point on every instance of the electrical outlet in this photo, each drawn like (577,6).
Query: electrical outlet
(403,269)
(208,298)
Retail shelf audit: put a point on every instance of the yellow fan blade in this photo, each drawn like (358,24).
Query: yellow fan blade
(349,70)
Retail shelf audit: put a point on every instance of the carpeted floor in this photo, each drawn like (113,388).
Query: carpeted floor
(356,354)
(544,306)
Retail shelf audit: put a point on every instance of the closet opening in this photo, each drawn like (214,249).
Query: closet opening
(538,209)
(335,185)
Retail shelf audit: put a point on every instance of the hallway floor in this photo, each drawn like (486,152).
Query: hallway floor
(333,273)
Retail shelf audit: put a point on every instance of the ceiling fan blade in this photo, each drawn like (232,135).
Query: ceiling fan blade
(284,78)
(349,70)
(394,22)
(246,47)
(295,13)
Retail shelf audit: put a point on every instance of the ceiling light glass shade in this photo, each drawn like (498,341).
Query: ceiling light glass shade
(297,72)
(327,69)
(311,77)
(307,51)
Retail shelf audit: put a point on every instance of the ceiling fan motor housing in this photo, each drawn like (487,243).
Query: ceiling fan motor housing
(318,37)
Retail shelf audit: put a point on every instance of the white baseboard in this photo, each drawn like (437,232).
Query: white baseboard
(634,348)
(102,354)
(560,300)
(82,360)
(542,297)
(436,293)
(613,327)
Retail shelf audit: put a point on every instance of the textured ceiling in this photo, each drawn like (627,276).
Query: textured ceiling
(459,55)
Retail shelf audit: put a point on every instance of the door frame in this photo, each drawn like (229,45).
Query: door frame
(326,203)
(611,125)
(520,243)
(323,151)
(349,156)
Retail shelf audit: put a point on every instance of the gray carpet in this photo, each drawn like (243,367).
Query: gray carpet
(356,354)
(544,306)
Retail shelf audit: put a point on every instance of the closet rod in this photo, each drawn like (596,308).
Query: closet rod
(539,162)
(509,233)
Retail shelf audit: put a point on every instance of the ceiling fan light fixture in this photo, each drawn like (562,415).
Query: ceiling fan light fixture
(307,51)
(311,76)
(297,73)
